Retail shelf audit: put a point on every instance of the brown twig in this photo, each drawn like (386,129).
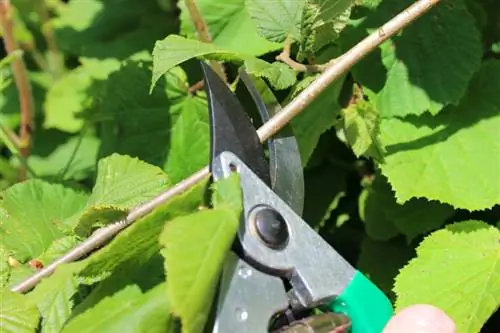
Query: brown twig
(22,83)
(285,57)
(203,34)
(269,128)
(197,86)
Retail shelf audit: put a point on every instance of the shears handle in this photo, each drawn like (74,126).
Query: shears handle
(365,304)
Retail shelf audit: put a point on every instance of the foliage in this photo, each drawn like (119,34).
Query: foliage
(400,154)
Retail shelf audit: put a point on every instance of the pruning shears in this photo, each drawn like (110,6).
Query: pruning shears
(280,275)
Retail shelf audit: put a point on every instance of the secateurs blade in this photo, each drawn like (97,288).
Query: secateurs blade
(281,275)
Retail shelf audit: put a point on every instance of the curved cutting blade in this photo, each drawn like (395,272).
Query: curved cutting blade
(287,177)
(230,127)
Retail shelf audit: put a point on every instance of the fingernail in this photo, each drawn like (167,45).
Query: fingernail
(421,318)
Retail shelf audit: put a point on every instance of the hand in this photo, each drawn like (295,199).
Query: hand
(420,319)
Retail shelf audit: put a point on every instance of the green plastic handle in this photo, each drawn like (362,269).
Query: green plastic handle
(365,304)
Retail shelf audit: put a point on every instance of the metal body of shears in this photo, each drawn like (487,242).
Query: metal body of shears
(280,268)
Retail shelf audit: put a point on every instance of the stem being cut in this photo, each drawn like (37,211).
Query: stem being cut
(22,83)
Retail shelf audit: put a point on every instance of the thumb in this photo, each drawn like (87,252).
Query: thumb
(420,319)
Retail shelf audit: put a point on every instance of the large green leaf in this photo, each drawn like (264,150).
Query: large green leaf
(230,26)
(458,270)
(169,127)
(384,217)
(111,28)
(33,216)
(129,310)
(194,248)
(17,314)
(428,65)
(277,20)
(122,183)
(73,94)
(450,157)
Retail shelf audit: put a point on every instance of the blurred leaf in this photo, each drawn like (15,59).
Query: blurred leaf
(316,118)
(79,152)
(381,261)
(111,28)
(129,310)
(413,218)
(230,26)
(73,94)
(29,229)
(17,315)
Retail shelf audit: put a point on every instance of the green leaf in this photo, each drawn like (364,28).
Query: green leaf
(56,296)
(322,22)
(381,261)
(17,315)
(174,50)
(429,64)
(276,20)
(72,94)
(111,28)
(29,229)
(384,216)
(58,247)
(377,225)
(461,262)
(361,128)
(230,26)
(139,242)
(122,183)
(449,157)
(193,270)
(316,118)
(279,75)
(169,128)
(73,160)
(128,310)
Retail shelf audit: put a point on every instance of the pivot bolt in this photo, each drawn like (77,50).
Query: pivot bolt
(270,227)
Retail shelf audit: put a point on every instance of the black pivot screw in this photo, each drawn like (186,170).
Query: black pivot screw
(270,227)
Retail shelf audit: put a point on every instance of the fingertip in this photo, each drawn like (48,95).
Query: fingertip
(421,318)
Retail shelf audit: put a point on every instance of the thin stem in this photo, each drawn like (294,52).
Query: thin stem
(22,82)
(371,42)
(12,142)
(73,153)
(54,54)
(285,57)
(203,33)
